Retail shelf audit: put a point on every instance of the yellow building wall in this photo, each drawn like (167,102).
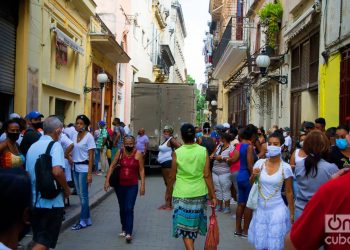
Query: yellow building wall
(20,97)
(329,90)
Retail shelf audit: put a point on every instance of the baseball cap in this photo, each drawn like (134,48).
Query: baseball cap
(187,129)
(220,127)
(34,115)
(102,123)
(226,125)
(14,116)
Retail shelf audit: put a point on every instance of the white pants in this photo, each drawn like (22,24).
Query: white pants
(222,184)
(104,160)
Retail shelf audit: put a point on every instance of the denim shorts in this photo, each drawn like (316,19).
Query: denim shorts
(243,191)
(166,164)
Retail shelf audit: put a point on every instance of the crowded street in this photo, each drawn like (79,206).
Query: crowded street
(174,124)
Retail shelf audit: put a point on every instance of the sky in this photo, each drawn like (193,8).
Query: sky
(196,17)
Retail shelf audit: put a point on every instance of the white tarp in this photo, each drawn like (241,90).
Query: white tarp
(62,37)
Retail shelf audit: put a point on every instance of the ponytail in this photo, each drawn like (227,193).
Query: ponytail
(311,162)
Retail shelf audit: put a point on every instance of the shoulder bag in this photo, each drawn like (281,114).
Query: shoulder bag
(114,178)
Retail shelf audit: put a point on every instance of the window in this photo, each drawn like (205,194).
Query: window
(239,20)
(305,63)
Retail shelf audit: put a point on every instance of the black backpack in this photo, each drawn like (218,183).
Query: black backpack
(46,184)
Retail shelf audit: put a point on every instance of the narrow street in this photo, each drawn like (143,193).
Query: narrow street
(152,227)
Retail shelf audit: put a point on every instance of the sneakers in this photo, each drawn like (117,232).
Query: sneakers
(227,210)
(78,226)
(128,238)
(122,234)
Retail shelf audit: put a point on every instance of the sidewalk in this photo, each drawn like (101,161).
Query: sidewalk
(96,196)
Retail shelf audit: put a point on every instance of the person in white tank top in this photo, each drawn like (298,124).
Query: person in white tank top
(165,158)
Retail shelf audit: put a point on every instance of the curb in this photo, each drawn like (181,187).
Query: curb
(68,222)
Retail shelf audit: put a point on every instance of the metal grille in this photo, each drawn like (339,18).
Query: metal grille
(7,56)
(344,96)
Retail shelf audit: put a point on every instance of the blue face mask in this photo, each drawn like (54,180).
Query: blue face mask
(342,144)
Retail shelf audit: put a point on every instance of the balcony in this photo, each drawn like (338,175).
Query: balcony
(160,13)
(231,51)
(215,9)
(161,70)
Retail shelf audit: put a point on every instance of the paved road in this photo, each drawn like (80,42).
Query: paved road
(152,228)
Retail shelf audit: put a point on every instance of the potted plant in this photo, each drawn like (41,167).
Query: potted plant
(271,17)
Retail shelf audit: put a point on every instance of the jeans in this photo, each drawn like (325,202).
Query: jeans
(81,185)
(126,198)
(97,159)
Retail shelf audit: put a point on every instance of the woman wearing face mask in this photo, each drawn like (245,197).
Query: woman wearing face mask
(166,150)
(83,159)
(131,167)
(10,155)
(313,170)
(340,153)
(272,218)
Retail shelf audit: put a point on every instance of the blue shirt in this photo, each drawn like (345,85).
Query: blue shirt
(57,154)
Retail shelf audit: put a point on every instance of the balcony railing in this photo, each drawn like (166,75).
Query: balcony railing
(232,33)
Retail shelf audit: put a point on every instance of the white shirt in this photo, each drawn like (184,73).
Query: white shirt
(3,247)
(288,143)
(81,151)
(70,132)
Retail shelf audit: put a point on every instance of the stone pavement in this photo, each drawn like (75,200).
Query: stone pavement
(152,227)
(96,196)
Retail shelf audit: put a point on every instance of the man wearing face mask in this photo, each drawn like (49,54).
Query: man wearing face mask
(47,214)
(33,132)
(15,196)
(340,153)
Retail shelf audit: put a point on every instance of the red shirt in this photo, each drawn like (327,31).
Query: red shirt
(310,231)
(235,166)
(129,170)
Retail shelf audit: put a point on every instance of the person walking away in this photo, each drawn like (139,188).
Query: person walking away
(166,149)
(221,173)
(118,137)
(142,142)
(101,136)
(246,156)
(10,154)
(67,146)
(16,204)
(33,132)
(320,124)
(126,128)
(287,147)
(47,214)
(83,158)
(193,183)
(272,218)
(314,170)
(131,167)
(340,153)
(327,203)
(207,141)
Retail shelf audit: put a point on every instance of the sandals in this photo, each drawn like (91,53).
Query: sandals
(122,234)
(78,226)
(237,234)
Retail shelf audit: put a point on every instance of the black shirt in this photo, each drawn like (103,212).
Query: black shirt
(338,158)
(29,137)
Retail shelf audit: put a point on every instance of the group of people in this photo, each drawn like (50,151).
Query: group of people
(75,154)
(287,175)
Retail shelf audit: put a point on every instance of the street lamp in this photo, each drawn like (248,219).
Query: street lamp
(214,103)
(263,62)
(102,79)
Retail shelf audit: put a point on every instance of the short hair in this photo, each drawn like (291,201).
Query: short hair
(277,134)
(343,127)
(8,122)
(116,121)
(248,132)
(15,196)
(52,123)
(321,121)
(226,136)
(331,132)
(188,132)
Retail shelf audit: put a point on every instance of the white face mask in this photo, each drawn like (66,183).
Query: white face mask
(285,134)
(301,144)
(273,151)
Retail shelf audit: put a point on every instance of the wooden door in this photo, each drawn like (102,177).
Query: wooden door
(344,95)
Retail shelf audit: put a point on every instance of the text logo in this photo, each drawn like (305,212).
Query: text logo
(337,223)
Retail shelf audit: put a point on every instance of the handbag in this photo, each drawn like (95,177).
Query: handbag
(253,197)
(213,235)
(114,178)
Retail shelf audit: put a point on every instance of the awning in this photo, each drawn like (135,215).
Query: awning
(109,48)
(62,37)
(301,23)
